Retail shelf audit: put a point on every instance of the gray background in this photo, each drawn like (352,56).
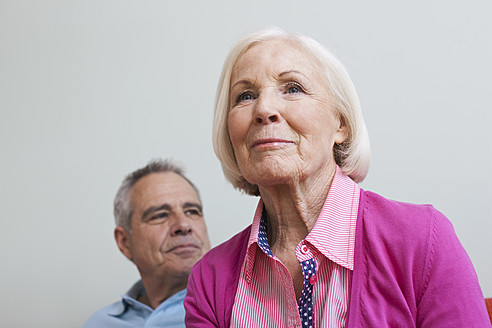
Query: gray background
(90,90)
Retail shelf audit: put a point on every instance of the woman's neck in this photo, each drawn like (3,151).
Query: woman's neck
(293,209)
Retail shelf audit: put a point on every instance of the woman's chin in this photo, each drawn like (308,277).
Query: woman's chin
(270,178)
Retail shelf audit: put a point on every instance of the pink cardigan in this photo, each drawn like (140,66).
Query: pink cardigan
(410,271)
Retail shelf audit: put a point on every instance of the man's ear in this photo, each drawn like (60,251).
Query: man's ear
(123,240)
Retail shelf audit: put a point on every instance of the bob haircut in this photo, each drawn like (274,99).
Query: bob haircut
(352,156)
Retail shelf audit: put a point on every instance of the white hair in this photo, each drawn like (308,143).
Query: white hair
(353,155)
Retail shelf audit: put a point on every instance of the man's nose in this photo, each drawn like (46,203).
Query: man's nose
(181,225)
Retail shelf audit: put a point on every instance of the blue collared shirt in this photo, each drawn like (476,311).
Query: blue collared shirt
(131,313)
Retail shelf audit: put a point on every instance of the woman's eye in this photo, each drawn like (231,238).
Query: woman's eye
(244,96)
(293,88)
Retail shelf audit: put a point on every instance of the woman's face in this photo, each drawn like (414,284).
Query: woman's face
(281,122)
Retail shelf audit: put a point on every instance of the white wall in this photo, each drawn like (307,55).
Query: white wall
(90,90)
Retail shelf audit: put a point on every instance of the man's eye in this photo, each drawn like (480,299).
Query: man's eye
(161,215)
(192,212)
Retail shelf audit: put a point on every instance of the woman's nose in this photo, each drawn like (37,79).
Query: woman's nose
(266,109)
(267,119)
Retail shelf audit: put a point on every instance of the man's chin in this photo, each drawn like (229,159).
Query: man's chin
(187,252)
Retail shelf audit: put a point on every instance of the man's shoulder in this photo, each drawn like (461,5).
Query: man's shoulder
(112,315)
(105,317)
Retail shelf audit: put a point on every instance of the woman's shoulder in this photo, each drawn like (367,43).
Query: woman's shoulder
(227,255)
(400,224)
(382,211)
(398,243)
(213,282)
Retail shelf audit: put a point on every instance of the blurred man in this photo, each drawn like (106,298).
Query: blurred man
(161,229)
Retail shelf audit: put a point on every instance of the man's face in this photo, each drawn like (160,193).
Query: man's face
(168,233)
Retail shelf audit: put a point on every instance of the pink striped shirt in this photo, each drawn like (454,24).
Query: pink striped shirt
(265,296)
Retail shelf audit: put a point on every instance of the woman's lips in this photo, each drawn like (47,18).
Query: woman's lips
(270,142)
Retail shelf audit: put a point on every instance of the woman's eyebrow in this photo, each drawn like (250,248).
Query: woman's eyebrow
(292,71)
(246,82)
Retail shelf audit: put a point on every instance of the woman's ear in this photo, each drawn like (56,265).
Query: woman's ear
(341,133)
(122,238)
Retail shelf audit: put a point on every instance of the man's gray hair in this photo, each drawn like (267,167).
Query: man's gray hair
(123,206)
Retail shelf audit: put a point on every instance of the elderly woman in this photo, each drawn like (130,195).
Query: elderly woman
(321,252)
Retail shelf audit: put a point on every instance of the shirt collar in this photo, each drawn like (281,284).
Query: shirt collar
(131,299)
(334,232)
(128,299)
(253,242)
